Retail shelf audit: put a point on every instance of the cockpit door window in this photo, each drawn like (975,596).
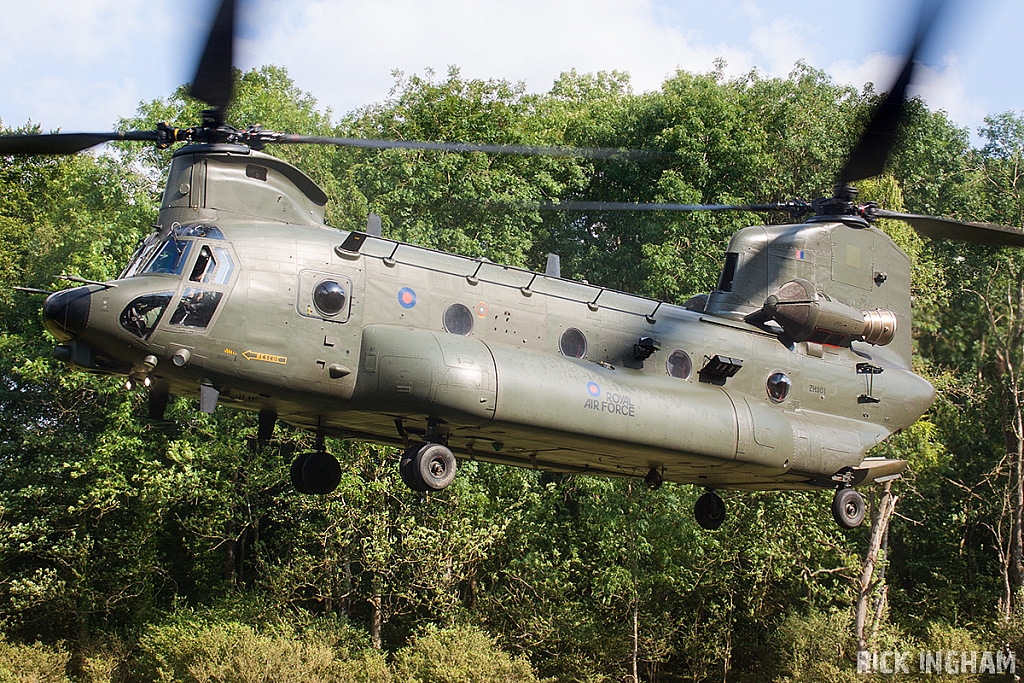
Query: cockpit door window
(141,315)
(213,266)
(196,308)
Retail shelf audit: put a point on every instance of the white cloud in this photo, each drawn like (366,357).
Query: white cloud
(79,65)
(941,87)
(946,88)
(780,44)
(76,103)
(349,47)
(752,10)
(879,68)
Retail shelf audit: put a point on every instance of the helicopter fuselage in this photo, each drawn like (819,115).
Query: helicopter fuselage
(369,338)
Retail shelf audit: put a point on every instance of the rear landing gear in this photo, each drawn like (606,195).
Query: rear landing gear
(709,510)
(427,467)
(848,508)
(316,473)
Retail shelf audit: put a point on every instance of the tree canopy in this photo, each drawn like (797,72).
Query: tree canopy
(141,550)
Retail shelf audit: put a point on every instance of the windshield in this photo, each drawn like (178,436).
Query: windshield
(172,253)
(171,259)
(139,259)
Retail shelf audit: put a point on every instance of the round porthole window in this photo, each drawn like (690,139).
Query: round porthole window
(779,385)
(573,343)
(458,320)
(329,298)
(679,364)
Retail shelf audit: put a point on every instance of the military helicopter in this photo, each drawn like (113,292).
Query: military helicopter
(782,378)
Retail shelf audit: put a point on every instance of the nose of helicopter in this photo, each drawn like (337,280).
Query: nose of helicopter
(66,313)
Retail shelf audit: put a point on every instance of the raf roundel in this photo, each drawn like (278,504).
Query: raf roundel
(406,297)
(593,389)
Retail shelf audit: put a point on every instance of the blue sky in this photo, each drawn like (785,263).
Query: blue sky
(78,66)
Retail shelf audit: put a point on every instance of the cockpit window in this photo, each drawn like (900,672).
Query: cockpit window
(141,315)
(168,257)
(196,308)
(728,272)
(139,259)
(171,259)
(212,269)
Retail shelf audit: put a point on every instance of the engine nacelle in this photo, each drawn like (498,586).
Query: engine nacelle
(809,315)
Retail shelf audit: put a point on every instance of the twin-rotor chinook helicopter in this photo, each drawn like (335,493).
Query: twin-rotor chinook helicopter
(782,378)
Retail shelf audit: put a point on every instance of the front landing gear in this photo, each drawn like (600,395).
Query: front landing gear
(709,511)
(653,480)
(848,508)
(317,473)
(427,467)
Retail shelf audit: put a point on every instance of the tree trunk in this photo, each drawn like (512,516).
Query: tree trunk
(375,623)
(879,525)
(229,550)
(1015,450)
(346,601)
(636,639)
(883,593)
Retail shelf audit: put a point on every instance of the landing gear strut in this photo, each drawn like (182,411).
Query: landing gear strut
(653,479)
(848,508)
(427,467)
(709,511)
(268,419)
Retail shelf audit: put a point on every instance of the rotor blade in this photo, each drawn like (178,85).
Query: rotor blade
(629,206)
(523,150)
(213,82)
(962,231)
(65,143)
(876,142)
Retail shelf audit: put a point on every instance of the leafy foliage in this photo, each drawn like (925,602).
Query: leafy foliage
(134,549)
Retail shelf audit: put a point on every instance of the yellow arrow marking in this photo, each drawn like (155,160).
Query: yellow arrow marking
(265,357)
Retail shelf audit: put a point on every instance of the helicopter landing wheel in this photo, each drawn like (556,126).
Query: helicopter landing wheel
(315,473)
(405,468)
(709,511)
(428,467)
(653,479)
(848,508)
(296,472)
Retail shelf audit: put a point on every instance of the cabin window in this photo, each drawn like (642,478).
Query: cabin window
(196,308)
(679,364)
(728,272)
(171,259)
(573,343)
(779,385)
(458,320)
(142,314)
(256,172)
(330,298)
